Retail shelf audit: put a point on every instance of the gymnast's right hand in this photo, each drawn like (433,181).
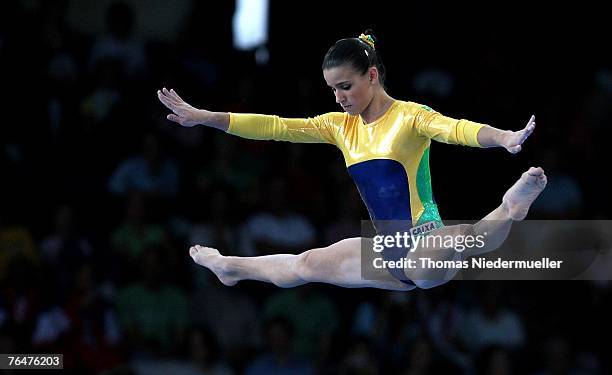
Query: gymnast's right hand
(183,113)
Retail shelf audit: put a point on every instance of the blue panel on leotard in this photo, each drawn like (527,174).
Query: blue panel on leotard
(383,185)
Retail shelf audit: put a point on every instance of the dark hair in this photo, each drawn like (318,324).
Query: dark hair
(357,53)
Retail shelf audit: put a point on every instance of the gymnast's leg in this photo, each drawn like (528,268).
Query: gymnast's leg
(515,206)
(338,264)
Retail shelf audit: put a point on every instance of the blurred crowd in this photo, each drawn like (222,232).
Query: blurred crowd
(102,197)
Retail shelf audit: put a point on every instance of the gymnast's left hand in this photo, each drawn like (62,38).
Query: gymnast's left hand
(513,140)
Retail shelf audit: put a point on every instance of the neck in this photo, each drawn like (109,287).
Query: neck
(378,106)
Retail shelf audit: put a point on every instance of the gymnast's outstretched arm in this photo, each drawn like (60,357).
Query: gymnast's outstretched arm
(444,129)
(319,129)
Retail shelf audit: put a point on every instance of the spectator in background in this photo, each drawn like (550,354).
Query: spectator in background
(149,173)
(225,168)
(23,296)
(205,355)
(118,42)
(105,96)
(64,250)
(443,318)
(213,223)
(94,337)
(277,227)
(63,73)
(279,358)
(347,224)
(51,322)
(398,326)
(313,315)
(360,358)
(130,239)
(231,316)
(15,242)
(153,314)
(491,324)
(203,358)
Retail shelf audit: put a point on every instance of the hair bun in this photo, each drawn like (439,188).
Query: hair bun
(368,38)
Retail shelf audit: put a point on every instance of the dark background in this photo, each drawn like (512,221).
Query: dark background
(72,249)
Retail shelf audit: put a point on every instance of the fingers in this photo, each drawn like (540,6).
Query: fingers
(166,97)
(531,124)
(169,97)
(166,101)
(175,118)
(183,113)
(525,133)
(168,94)
(176,95)
(531,121)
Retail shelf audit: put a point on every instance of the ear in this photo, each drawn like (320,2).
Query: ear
(373,74)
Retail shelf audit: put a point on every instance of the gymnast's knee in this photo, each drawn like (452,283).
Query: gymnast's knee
(305,267)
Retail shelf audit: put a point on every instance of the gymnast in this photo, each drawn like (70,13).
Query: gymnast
(385,143)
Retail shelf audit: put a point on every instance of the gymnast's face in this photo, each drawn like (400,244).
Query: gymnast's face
(353,91)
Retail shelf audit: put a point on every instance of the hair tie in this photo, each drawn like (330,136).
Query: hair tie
(367,39)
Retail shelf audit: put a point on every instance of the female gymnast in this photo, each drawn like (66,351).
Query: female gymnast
(385,143)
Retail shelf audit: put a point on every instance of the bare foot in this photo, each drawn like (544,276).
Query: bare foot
(521,195)
(214,261)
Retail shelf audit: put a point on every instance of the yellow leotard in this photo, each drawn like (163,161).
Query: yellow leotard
(388,159)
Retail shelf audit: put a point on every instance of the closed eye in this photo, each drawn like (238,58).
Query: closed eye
(345,87)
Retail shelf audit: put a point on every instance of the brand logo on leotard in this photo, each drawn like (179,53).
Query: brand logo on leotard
(423,228)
